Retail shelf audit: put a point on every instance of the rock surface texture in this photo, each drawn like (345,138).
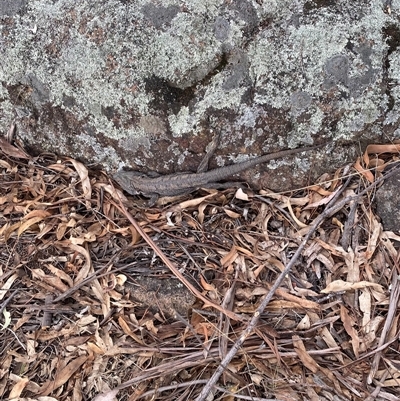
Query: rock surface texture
(144,84)
(388,203)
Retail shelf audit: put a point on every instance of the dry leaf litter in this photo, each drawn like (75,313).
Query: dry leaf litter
(89,310)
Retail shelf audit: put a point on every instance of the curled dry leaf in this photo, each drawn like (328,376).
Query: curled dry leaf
(7,285)
(37,213)
(348,324)
(385,148)
(323,201)
(375,163)
(11,150)
(54,282)
(7,320)
(301,201)
(116,193)
(365,307)
(304,356)
(241,195)
(363,171)
(19,387)
(62,375)
(297,221)
(4,164)
(230,257)
(374,238)
(206,286)
(84,176)
(84,270)
(28,224)
(192,202)
(340,285)
(202,207)
(61,168)
(232,214)
(277,263)
(338,223)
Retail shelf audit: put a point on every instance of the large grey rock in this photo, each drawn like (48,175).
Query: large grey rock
(143,83)
(388,203)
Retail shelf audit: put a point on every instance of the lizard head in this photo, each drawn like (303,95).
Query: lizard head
(127,181)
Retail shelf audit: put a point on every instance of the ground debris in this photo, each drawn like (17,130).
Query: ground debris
(74,275)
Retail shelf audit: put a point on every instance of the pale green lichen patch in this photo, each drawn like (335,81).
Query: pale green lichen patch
(143,76)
